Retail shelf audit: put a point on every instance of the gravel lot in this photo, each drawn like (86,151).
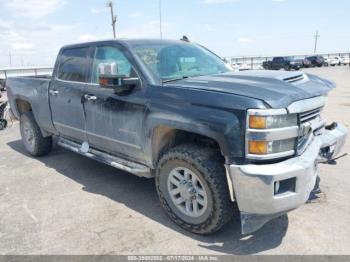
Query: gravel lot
(67,204)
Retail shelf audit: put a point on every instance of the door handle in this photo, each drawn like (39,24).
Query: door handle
(54,92)
(88,97)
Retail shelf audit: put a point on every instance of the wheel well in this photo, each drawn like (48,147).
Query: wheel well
(165,138)
(23,106)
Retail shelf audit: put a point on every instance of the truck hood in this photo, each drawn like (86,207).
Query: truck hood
(277,89)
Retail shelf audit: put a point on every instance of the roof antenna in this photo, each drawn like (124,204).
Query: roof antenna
(185,39)
(160,19)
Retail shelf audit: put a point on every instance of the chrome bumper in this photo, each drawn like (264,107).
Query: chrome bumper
(253,187)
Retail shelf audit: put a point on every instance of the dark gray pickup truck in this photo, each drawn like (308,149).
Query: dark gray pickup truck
(213,139)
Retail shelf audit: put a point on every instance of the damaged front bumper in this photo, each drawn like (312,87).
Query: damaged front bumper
(263,192)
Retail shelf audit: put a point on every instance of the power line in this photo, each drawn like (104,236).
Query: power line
(316,38)
(114,17)
(10,57)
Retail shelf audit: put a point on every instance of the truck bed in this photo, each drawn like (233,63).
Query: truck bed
(34,89)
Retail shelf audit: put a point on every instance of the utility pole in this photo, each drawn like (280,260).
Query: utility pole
(316,38)
(160,19)
(114,17)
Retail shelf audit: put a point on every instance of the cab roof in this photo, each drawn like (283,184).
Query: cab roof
(126,42)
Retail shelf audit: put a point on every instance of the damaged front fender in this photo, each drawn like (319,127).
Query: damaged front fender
(254,186)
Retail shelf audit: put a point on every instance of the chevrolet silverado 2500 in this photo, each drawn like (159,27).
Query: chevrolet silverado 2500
(173,110)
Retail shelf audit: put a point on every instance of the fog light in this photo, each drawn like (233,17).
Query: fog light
(283,186)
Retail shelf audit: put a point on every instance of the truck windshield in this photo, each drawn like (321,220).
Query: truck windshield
(173,61)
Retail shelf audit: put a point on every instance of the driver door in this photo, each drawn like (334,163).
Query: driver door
(114,122)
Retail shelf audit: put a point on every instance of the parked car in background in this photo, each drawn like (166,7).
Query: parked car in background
(304,62)
(338,60)
(345,60)
(240,66)
(331,61)
(316,60)
(287,63)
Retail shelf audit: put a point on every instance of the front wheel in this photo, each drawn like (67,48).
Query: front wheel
(32,138)
(192,187)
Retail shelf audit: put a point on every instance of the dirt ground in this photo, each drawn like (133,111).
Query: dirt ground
(64,203)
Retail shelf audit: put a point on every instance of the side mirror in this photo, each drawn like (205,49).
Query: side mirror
(110,78)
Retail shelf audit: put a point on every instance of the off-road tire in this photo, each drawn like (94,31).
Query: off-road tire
(41,145)
(209,167)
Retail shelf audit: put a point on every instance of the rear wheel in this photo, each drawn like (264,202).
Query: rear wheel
(192,187)
(32,138)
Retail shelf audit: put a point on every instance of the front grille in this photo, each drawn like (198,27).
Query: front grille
(309,115)
(304,118)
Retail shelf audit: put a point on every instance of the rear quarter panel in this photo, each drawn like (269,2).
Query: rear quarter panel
(34,90)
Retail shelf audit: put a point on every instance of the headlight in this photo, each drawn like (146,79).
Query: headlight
(276,121)
(271,133)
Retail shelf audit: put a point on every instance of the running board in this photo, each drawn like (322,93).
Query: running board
(122,164)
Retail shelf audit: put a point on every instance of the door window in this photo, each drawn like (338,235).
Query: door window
(109,54)
(73,65)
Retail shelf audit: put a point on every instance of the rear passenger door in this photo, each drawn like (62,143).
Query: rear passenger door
(66,92)
(274,63)
(279,63)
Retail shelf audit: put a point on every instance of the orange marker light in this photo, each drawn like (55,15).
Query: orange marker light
(103,81)
(257,147)
(258,122)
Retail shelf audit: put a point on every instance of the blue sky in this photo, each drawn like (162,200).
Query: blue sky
(33,30)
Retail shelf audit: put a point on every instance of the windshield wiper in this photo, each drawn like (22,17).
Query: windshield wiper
(174,79)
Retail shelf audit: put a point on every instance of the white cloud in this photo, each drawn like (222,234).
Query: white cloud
(244,40)
(209,2)
(22,46)
(208,27)
(58,27)
(146,30)
(33,8)
(136,14)
(34,43)
(90,37)
(4,25)
(97,10)
(87,37)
